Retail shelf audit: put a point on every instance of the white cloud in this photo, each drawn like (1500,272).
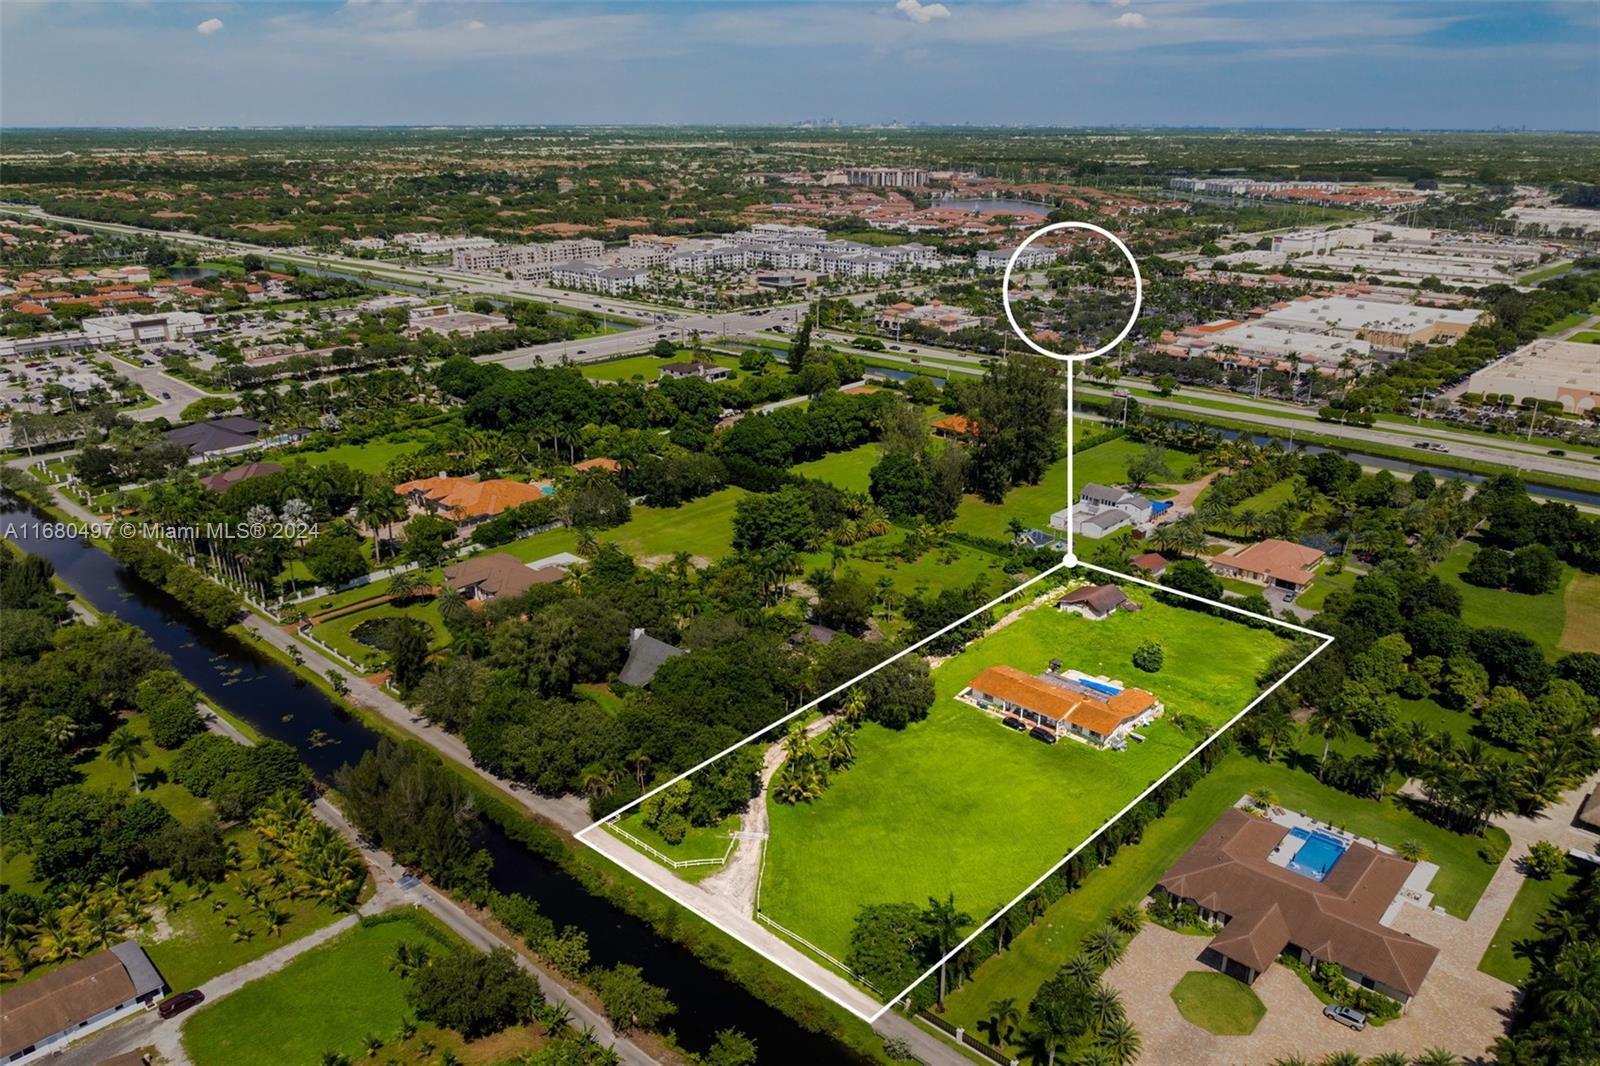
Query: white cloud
(921,13)
(1132,19)
(208,27)
(475,24)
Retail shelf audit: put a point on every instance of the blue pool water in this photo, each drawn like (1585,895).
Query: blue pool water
(1109,690)
(1317,854)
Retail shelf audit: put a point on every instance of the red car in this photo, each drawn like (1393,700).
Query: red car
(181,1002)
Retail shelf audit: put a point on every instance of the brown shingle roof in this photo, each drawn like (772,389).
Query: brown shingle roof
(499,574)
(465,498)
(1102,599)
(226,479)
(1336,919)
(62,998)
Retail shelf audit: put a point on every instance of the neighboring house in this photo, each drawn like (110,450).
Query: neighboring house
(38,1016)
(1589,814)
(1102,510)
(703,371)
(610,466)
(1248,874)
(1072,704)
(1038,538)
(1096,601)
(467,500)
(485,577)
(1275,563)
(954,427)
(645,656)
(222,436)
(1152,563)
(227,479)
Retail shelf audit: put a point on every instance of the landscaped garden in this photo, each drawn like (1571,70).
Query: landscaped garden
(958,804)
(1504,959)
(1218,1004)
(1542,617)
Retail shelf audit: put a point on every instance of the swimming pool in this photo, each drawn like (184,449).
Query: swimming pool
(1317,854)
(1099,686)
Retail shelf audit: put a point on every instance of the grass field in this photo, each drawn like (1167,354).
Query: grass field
(1533,899)
(1582,601)
(1041,949)
(1588,336)
(1033,505)
(933,809)
(253,1025)
(99,772)
(1543,617)
(336,633)
(647,368)
(1314,597)
(1218,1004)
(849,470)
(370,457)
(700,842)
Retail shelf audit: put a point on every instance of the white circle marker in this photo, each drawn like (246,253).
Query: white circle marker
(1138,291)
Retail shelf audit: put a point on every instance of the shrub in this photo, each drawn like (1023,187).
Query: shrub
(1149,656)
(1544,860)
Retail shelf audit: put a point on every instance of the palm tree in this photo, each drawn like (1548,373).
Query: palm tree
(1388,1058)
(1128,918)
(126,747)
(408,959)
(1412,850)
(1004,1017)
(1121,1041)
(1274,726)
(1105,1006)
(1332,720)
(854,705)
(1104,947)
(379,509)
(1340,1058)
(944,922)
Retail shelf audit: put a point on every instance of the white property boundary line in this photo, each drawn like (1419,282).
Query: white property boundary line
(889,1005)
(1070,561)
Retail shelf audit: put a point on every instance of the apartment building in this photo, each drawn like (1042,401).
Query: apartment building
(521,259)
(887,177)
(592,277)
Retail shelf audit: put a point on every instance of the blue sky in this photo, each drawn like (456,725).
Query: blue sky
(1301,63)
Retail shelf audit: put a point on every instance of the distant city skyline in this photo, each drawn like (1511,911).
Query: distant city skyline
(1423,64)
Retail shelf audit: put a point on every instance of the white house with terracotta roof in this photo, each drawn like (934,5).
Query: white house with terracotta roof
(1096,711)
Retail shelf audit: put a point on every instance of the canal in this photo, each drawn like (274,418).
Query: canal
(279,704)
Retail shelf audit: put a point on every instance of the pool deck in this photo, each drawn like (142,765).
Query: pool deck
(1414,891)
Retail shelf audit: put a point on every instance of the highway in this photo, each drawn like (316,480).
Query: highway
(1508,452)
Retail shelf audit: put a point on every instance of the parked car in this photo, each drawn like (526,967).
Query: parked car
(166,395)
(1558,453)
(181,1002)
(1042,734)
(1347,1016)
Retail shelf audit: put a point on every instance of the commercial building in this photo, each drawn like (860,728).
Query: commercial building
(524,259)
(1301,891)
(940,316)
(1055,704)
(149,329)
(591,277)
(1389,326)
(1033,256)
(1252,344)
(1565,372)
(445,319)
(1278,564)
(39,1016)
(433,244)
(887,177)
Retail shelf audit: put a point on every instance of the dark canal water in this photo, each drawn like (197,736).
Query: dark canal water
(279,704)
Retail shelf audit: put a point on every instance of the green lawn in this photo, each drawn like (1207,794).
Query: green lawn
(848,470)
(702,527)
(100,772)
(1314,597)
(952,566)
(929,810)
(1218,1004)
(369,457)
(284,1017)
(647,368)
(1588,336)
(1533,899)
(700,842)
(1040,950)
(336,633)
(1033,505)
(1542,617)
(1582,630)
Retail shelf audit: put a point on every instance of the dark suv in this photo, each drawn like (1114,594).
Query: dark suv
(181,1002)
